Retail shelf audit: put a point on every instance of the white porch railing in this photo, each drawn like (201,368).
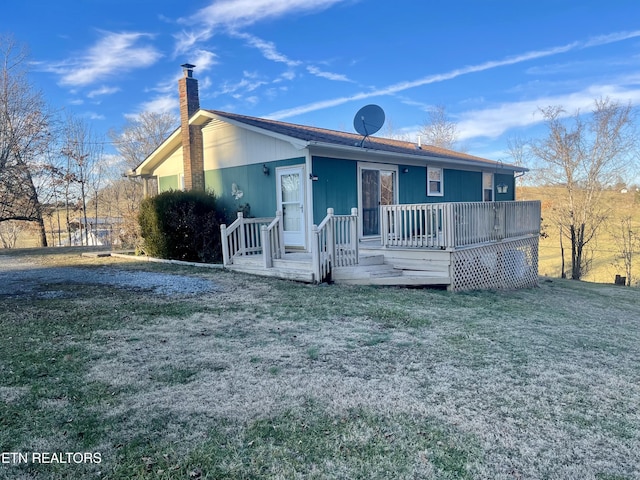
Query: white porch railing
(451,225)
(334,243)
(272,240)
(414,225)
(486,222)
(246,236)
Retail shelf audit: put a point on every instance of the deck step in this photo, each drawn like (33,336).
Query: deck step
(256,261)
(410,280)
(298,269)
(370,259)
(284,273)
(403,280)
(364,271)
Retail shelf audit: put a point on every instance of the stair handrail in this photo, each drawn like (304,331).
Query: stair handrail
(272,241)
(242,237)
(230,246)
(326,253)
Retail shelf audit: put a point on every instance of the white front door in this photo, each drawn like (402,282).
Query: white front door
(290,185)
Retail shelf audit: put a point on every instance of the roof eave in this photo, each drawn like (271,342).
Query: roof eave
(488,164)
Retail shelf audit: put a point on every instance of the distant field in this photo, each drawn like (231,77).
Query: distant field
(604,266)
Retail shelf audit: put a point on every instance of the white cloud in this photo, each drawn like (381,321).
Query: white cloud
(203,60)
(495,121)
(441,77)
(268,49)
(93,116)
(250,82)
(160,104)
(103,91)
(328,75)
(611,38)
(113,54)
(232,14)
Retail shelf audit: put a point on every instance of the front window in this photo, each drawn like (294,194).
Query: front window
(434,182)
(487,187)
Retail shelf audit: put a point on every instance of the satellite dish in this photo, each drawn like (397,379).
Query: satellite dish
(368,120)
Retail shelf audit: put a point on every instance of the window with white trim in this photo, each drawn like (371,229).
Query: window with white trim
(487,187)
(434,182)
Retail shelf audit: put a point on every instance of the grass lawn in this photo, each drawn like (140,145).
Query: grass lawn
(261,378)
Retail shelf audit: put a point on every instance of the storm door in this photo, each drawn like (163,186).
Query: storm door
(290,187)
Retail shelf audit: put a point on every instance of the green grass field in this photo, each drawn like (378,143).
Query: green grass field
(261,378)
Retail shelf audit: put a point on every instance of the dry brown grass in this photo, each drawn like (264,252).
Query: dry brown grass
(263,378)
(604,251)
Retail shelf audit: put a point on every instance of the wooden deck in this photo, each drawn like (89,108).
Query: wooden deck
(463,246)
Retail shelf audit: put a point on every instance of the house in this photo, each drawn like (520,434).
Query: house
(327,204)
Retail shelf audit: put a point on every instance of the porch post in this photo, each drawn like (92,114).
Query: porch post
(243,244)
(449,229)
(225,245)
(266,247)
(315,254)
(280,232)
(331,237)
(354,234)
(384,226)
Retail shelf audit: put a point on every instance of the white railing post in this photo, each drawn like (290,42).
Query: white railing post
(225,244)
(266,247)
(384,227)
(331,237)
(353,230)
(315,254)
(243,244)
(448,225)
(280,232)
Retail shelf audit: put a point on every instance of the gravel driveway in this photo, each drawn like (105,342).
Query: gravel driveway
(21,275)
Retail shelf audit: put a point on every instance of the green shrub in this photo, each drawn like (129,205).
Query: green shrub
(181,226)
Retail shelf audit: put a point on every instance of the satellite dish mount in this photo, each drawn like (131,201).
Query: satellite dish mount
(368,121)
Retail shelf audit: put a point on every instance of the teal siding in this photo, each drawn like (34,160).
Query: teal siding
(171,182)
(510,181)
(336,187)
(259,190)
(462,186)
(459,186)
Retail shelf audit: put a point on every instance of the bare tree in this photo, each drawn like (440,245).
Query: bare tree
(439,130)
(83,151)
(135,142)
(627,241)
(625,231)
(140,136)
(9,233)
(24,138)
(585,155)
(391,132)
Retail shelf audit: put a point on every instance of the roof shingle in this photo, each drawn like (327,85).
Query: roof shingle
(334,137)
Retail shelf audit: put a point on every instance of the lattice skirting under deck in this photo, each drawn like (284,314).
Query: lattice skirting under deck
(506,265)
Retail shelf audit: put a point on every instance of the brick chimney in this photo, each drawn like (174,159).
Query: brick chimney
(192,149)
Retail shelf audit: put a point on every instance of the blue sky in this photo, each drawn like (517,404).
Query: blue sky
(491,63)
